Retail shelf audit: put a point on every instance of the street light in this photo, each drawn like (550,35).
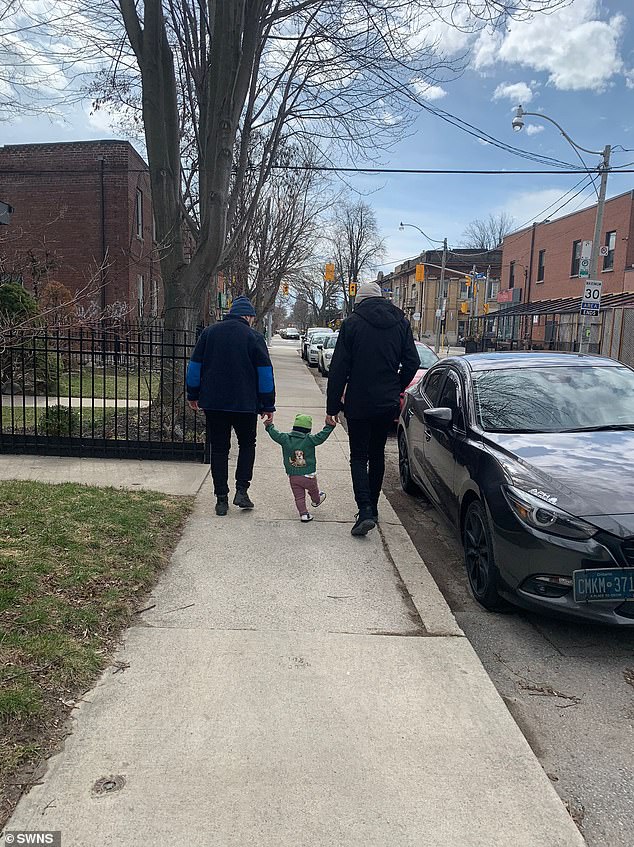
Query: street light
(604,169)
(441,286)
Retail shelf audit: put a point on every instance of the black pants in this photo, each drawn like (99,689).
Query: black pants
(219,426)
(367,438)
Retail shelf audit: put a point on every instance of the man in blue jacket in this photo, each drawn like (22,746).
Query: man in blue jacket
(230,377)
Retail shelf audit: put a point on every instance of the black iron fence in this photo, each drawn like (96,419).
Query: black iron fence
(116,392)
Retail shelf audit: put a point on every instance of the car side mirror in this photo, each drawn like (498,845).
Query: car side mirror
(439,418)
(320,346)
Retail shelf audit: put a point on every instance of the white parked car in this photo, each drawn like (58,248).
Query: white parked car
(324,330)
(325,354)
(315,345)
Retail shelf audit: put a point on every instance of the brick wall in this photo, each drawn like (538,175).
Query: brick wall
(56,190)
(556,239)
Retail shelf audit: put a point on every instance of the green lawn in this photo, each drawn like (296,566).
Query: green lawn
(134,385)
(75,562)
(25,418)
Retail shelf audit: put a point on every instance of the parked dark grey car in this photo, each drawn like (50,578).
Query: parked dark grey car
(531,457)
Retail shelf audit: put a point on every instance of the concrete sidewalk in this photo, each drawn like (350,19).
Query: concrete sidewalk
(296,686)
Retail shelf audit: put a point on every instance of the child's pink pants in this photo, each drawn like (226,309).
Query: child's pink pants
(302,485)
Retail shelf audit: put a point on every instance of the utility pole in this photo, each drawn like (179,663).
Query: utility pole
(441,296)
(586,324)
(604,169)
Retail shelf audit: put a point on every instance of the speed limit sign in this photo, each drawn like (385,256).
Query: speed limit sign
(591,301)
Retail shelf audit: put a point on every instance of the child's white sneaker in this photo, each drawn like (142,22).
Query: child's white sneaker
(306,518)
(322,497)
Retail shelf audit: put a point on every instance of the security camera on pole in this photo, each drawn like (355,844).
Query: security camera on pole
(592,284)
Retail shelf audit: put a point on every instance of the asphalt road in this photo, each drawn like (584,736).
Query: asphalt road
(570,687)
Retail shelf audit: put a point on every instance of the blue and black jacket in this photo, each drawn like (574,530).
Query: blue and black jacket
(230,369)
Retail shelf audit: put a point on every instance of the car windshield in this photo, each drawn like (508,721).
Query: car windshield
(554,399)
(427,357)
(330,341)
(318,339)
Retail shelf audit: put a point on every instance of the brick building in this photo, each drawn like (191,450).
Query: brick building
(541,262)
(83,218)
(421,298)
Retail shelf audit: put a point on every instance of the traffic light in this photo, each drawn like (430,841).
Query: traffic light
(420,273)
(464,308)
(285,289)
(467,280)
(329,272)
(486,308)
(352,289)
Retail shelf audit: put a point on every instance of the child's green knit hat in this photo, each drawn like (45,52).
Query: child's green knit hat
(303,422)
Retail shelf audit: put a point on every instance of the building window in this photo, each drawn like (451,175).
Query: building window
(138,213)
(541,261)
(397,295)
(140,283)
(610,243)
(576,258)
(512,275)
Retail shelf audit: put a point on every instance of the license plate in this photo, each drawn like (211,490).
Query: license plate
(603,584)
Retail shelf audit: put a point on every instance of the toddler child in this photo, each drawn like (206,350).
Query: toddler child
(298,449)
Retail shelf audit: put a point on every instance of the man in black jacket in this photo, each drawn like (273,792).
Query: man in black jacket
(375,359)
(230,377)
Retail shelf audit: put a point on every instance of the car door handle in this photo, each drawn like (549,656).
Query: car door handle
(427,435)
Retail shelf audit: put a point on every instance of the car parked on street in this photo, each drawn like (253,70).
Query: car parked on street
(315,345)
(324,330)
(290,333)
(326,353)
(427,360)
(531,457)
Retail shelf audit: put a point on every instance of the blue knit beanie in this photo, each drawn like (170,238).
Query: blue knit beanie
(242,307)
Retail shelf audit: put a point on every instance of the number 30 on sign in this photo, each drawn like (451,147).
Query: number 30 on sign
(591,302)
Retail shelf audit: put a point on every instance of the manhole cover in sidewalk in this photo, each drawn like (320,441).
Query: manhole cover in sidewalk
(108,785)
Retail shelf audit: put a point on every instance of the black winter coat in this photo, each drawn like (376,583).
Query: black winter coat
(375,359)
(230,369)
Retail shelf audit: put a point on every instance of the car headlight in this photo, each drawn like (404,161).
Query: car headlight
(538,514)
(328,354)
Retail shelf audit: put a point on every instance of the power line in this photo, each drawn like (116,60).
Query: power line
(443,171)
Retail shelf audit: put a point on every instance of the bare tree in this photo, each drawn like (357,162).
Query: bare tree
(488,233)
(356,244)
(322,296)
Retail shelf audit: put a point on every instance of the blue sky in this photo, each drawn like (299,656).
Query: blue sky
(576,65)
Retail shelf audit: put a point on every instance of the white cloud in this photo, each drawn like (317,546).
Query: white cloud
(534,129)
(576,47)
(517,92)
(428,91)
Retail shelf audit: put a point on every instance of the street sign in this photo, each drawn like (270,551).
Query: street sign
(604,250)
(584,266)
(416,316)
(5,213)
(586,249)
(591,301)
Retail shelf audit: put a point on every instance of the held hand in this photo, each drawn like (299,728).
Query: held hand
(267,418)
(193,404)
(332,420)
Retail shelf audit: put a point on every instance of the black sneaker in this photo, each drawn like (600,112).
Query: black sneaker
(242,500)
(222,505)
(365,522)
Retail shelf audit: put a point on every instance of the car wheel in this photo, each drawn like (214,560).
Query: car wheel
(407,483)
(482,571)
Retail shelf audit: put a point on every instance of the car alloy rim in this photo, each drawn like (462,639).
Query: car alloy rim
(476,553)
(403,461)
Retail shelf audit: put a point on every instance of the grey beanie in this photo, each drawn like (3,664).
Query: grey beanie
(368,289)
